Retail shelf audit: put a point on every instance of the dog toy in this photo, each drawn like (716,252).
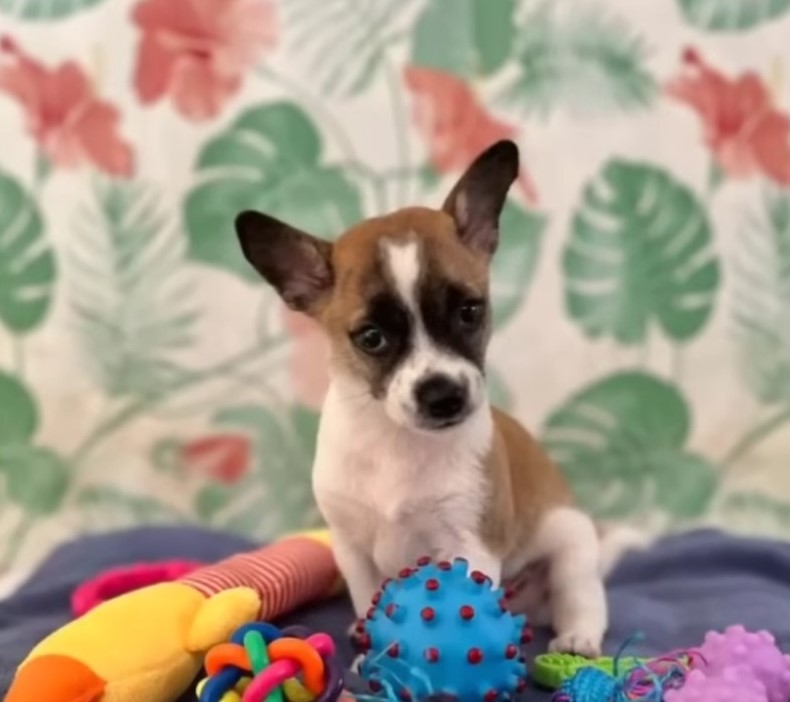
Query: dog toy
(645,682)
(757,651)
(734,684)
(149,644)
(439,630)
(550,670)
(118,581)
(630,680)
(262,663)
(737,665)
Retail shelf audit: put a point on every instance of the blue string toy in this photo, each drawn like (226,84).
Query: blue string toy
(646,682)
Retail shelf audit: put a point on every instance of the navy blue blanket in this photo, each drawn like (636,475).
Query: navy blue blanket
(672,593)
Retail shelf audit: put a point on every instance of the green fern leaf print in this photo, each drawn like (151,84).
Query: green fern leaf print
(129,292)
(45,10)
(106,506)
(581,59)
(761,299)
(343,42)
(731,15)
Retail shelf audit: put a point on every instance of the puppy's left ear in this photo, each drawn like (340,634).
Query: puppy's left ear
(476,201)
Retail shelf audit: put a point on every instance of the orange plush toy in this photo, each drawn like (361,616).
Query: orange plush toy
(148,645)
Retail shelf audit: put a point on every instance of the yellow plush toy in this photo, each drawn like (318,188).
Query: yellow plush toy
(148,645)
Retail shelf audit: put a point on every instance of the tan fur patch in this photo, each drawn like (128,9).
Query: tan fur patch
(360,273)
(524,483)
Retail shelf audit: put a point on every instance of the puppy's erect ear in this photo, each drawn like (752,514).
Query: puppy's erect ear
(477,199)
(296,264)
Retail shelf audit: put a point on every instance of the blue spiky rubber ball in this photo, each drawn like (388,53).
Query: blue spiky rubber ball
(438,629)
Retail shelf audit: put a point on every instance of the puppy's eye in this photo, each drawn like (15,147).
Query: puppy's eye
(370,339)
(471,313)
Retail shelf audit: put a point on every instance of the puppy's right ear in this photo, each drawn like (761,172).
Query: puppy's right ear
(296,264)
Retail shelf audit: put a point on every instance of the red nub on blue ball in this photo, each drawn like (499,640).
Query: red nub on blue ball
(431,655)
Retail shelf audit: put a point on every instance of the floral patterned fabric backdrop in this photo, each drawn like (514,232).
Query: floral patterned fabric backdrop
(641,292)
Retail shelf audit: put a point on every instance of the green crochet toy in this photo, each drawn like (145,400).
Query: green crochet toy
(551,669)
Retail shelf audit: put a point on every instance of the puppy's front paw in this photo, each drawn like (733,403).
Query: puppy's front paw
(357,663)
(580,643)
(356,635)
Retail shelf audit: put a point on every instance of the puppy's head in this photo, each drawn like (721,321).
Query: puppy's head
(404,297)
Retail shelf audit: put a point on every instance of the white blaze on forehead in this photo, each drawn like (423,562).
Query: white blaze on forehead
(403,261)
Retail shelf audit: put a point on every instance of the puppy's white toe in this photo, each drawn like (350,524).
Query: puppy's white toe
(580,643)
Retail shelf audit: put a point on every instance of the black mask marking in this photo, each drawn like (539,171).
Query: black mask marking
(440,306)
(391,316)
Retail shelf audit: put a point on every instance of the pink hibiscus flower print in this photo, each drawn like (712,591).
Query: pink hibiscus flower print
(197,51)
(742,127)
(70,124)
(225,458)
(308,359)
(454,123)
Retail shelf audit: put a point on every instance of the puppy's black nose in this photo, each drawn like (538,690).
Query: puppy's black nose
(441,398)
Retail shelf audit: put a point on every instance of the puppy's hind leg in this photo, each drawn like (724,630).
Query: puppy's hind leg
(567,538)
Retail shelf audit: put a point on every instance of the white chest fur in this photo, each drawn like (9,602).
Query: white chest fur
(393,494)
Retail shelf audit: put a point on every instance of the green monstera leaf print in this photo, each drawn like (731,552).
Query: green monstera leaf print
(521,233)
(45,10)
(32,477)
(36,479)
(476,36)
(581,59)
(761,299)
(732,15)
(640,252)
(621,443)
(27,264)
(269,159)
(18,411)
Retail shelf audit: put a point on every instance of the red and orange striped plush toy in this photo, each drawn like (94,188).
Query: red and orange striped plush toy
(148,645)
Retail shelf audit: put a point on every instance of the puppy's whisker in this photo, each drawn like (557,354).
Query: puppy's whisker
(350,397)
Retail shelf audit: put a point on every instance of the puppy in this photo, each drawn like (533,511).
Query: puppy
(411,458)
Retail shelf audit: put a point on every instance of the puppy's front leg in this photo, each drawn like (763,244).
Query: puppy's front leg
(359,572)
(570,543)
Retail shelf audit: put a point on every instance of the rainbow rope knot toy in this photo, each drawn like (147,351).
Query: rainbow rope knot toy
(263,663)
(439,630)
